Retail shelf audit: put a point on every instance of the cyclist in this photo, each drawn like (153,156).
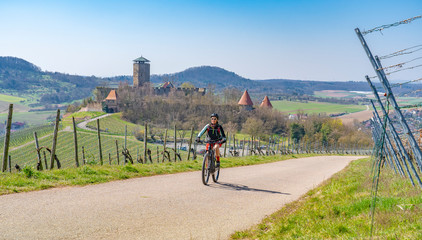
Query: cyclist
(215,132)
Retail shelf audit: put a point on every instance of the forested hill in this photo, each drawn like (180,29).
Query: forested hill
(206,75)
(21,77)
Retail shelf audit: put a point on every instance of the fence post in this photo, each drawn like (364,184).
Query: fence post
(243,148)
(109,158)
(76,142)
(45,160)
(145,142)
(117,151)
(37,146)
(99,141)
(175,144)
(53,149)
(225,145)
(164,146)
(7,137)
(190,142)
(125,146)
(10,163)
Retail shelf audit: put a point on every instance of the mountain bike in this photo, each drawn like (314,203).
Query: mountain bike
(209,164)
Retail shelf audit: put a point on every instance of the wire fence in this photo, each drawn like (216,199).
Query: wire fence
(392,126)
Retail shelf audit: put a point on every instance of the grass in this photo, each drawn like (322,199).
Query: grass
(30,179)
(339,209)
(11,99)
(315,107)
(31,118)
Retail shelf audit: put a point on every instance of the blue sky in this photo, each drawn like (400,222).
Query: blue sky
(309,40)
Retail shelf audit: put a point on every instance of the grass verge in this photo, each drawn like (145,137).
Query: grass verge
(340,209)
(30,179)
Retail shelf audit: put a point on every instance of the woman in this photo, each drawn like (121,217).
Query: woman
(215,132)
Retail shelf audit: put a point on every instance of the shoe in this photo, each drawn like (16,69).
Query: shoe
(218,164)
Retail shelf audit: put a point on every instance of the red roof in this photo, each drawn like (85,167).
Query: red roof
(112,95)
(266,103)
(245,99)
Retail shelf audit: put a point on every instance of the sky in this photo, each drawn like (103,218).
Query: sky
(287,39)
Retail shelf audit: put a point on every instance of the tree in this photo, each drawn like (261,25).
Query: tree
(298,131)
(187,85)
(253,126)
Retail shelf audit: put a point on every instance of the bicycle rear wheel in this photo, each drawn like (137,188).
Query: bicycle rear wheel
(205,169)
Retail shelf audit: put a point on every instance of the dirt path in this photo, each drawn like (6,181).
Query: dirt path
(174,206)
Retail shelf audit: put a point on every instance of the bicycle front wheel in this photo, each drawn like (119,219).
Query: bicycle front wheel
(216,174)
(205,169)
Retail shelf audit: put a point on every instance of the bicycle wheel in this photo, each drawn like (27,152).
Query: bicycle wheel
(205,169)
(216,173)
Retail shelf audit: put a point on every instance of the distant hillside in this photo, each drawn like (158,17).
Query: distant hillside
(206,75)
(23,78)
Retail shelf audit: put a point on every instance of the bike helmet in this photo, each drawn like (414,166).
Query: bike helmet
(214,115)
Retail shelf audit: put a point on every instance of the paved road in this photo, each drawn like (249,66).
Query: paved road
(174,206)
(84,123)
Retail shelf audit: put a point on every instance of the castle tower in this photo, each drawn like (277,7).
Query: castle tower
(245,101)
(266,103)
(141,71)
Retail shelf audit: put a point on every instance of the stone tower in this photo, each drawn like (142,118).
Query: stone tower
(140,71)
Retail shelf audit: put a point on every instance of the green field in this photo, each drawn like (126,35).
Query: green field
(292,107)
(11,99)
(32,118)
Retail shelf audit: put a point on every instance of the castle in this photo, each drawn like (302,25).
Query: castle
(141,77)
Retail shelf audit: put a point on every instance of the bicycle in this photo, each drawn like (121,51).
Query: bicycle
(209,163)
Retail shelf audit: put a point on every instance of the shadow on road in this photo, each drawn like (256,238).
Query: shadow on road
(239,187)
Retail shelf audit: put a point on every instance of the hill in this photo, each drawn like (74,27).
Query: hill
(22,78)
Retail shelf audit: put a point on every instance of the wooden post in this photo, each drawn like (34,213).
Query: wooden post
(137,153)
(125,146)
(243,148)
(225,145)
(234,144)
(75,137)
(10,163)
(38,152)
(56,130)
(175,142)
(7,137)
(164,146)
(117,151)
(145,142)
(45,161)
(109,158)
(190,142)
(158,155)
(99,141)
(83,155)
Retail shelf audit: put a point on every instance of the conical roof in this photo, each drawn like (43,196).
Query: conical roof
(266,102)
(112,95)
(245,99)
(141,59)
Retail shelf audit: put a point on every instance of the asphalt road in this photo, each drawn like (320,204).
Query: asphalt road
(176,206)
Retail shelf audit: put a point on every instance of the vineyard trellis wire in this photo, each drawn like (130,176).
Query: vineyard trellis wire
(389,142)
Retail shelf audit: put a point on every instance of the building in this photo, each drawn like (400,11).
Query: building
(266,103)
(141,77)
(141,71)
(110,103)
(245,101)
